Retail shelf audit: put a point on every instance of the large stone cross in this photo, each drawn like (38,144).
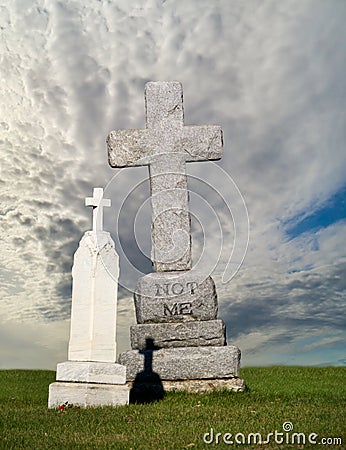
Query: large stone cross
(98,203)
(165,145)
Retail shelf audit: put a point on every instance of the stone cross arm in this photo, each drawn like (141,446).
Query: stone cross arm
(165,132)
(141,147)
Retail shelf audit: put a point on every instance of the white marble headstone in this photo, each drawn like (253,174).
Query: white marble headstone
(91,376)
(95,275)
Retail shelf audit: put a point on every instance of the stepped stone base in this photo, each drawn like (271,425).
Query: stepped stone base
(201,386)
(193,386)
(88,394)
(89,384)
(184,363)
(91,372)
(182,334)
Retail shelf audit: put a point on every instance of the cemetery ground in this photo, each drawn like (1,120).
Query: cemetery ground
(311,399)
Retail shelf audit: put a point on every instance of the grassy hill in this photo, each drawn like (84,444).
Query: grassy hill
(312,400)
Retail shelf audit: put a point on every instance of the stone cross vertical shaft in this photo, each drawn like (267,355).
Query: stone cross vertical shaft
(98,203)
(165,145)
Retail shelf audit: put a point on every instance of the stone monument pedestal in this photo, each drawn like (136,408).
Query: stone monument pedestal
(89,384)
(178,342)
(87,394)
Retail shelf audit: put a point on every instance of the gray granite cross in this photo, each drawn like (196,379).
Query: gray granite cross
(165,145)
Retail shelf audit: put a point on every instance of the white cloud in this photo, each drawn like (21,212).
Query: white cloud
(271,73)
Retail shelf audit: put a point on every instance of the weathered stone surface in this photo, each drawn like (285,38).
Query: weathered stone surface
(166,145)
(88,394)
(91,372)
(195,386)
(94,299)
(91,377)
(181,334)
(175,297)
(200,386)
(98,203)
(184,363)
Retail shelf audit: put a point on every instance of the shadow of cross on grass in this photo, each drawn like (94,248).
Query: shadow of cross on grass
(147,386)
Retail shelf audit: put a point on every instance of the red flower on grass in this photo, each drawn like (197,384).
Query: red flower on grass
(67,405)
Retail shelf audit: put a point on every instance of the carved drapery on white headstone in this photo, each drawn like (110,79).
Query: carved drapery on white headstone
(95,275)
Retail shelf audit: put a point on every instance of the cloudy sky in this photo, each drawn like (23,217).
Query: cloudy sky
(271,73)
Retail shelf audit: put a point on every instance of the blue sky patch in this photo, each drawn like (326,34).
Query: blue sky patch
(333,211)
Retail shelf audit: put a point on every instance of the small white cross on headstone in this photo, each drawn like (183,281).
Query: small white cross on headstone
(98,203)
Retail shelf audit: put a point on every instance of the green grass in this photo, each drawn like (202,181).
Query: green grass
(313,399)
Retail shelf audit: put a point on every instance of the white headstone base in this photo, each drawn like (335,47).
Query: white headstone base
(87,394)
(91,372)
